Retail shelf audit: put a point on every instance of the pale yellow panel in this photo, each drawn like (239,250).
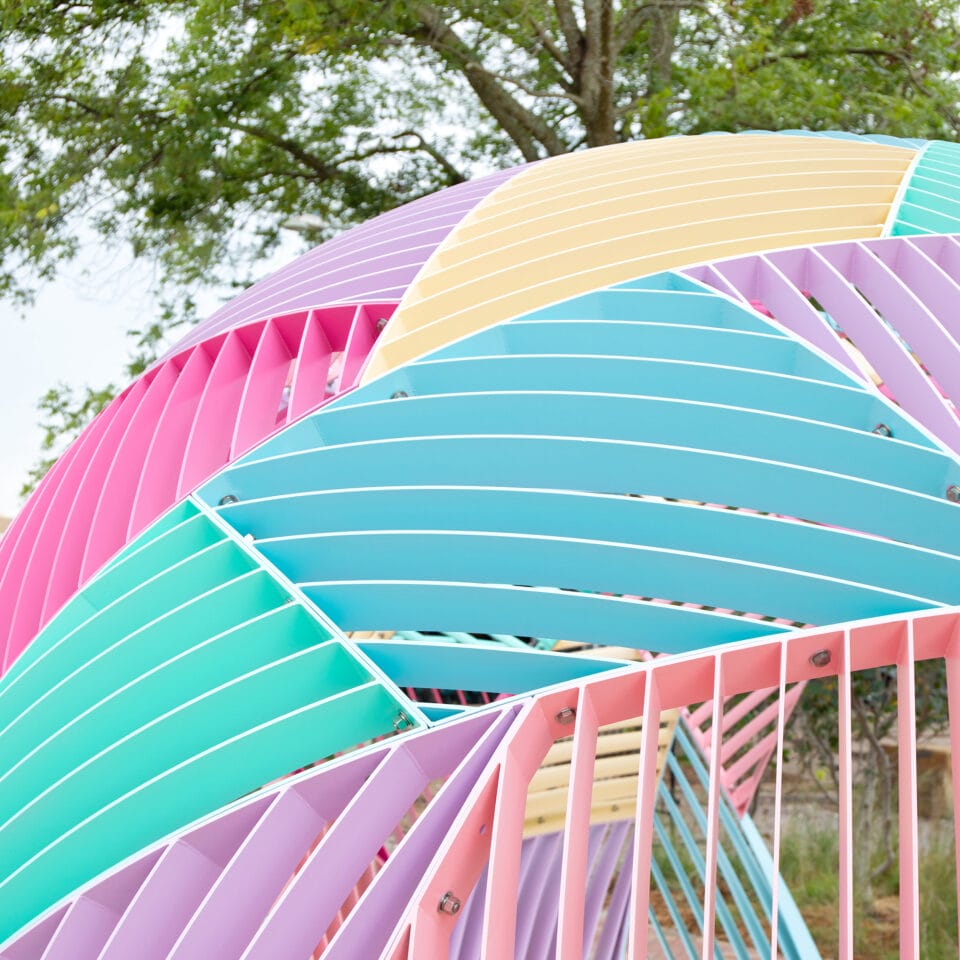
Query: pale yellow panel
(581,221)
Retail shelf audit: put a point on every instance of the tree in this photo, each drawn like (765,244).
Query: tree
(192,132)
(814,740)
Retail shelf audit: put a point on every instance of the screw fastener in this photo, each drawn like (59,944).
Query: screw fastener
(566,716)
(402,722)
(449,904)
(228,498)
(882,430)
(381,323)
(399,395)
(821,658)
(953,493)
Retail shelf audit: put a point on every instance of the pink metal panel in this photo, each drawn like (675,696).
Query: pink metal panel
(713,817)
(846,802)
(778,809)
(108,526)
(208,444)
(570,945)
(262,391)
(55,549)
(158,480)
(309,387)
(643,827)
(907,785)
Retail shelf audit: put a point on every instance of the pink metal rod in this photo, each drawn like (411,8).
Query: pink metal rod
(167,433)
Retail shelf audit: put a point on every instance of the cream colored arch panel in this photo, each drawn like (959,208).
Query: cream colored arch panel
(584,220)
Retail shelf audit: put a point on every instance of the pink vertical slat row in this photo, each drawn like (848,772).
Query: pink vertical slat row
(171,430)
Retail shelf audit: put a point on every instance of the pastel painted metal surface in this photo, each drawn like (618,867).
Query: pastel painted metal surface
(478,758)
(552,453)
(370,263)
(181,678)
(585,220)
(488,485)
(176,426)
(931,197)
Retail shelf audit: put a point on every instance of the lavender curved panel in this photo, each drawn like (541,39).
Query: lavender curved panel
(886,308)
(376,260)
(171,430)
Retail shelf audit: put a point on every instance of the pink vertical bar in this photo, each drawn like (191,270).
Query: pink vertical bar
(309,387)
(952,664)
(713,816)
(108,525)
(59,558)
(643,829)
(845,945)
(573,875)
(528,747)
(208,443)
(157,487)
(778,807)
(907,777)
(263,390)
(362,336)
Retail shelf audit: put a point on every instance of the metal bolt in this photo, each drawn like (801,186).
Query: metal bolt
(399,394)
(821,658)
(882,430)
(953,493)
(449,904)
(381,323)
(566,716)
(402,722)
(228,498)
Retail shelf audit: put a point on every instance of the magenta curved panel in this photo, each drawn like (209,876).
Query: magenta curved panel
(376,260)
(173,428)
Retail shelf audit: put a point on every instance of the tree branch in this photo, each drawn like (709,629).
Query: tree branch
(324,170)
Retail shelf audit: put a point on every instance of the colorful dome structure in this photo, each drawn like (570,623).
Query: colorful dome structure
(447,593)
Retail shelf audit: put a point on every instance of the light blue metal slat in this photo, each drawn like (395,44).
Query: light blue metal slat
(700,306)
(795,940)
(785,394)
(613,466)
(587,618)
(695,855)
(457,667)
(588,566)
(736,535)
(707,426)
(653,339)
(664,887)
(680,870)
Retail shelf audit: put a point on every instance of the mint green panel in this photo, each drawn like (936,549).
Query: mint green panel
(154,556)
(200,784)
(931,200)
(195,649)
(175,516)
(176,586)
(189,730)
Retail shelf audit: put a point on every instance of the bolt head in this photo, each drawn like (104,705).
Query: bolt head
(821,658)
(566,716)
(882,430)
(449,904)
(953,493)
(228,498)
(399,395)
